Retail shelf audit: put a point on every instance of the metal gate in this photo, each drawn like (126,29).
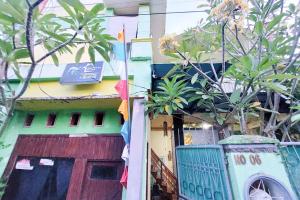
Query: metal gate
(202,173)
(290,152)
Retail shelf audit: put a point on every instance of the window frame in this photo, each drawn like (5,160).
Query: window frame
(118,165)
(95,118)
(25,121)
(71,117)
(51,126)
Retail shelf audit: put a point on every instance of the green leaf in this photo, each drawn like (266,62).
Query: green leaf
(205,96)
(5,19)
(296,107)
(76,4)
(17,71)
(97,8)
(10,10)
(282,77)
(21,53)
(266,63)
(265,42)
(168,109)
(235,96)
(108,37)
(172,71)
(60,37)
(173,55)
(55,59)
(6,46)
(274,21)
(67,8)
(102,53)
(79,54)
(220,120)
(258,28)
(91,52)
(246,61)
(277,87)
(203,82)
(295,118)
(46,17)
(92,13)
(194,78)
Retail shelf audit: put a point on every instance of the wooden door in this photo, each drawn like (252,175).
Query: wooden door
(102,181)
(96,163)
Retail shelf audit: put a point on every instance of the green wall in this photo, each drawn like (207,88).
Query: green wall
(111,125)
(271,165)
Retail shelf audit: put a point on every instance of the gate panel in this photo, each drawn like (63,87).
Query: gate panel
(202,173)
(291,156)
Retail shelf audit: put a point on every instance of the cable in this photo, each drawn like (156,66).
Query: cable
(142,14)
(151,4)
(157,13)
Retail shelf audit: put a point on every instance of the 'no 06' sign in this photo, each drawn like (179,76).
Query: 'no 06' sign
(240,159)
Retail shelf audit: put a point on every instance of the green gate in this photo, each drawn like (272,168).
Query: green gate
(290,152)
(202,173)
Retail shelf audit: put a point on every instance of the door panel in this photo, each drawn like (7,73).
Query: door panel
(102,181)
(88,178)
(39,182)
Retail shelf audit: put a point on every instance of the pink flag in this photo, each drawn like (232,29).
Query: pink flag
(124,177)
(121,88)
(43,5)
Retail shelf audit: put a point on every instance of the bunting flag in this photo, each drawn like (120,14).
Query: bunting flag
(123,109)
(124,177)
(125,154)
(121,88)
(42,5)
(118,49)
(124,132)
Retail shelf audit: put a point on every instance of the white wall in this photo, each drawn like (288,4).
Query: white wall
(178,22)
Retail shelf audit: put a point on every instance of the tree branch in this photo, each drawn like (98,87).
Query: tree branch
(223,53)
(211,81)
(62,45)
(285,120)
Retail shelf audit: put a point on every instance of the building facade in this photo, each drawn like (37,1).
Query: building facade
(69,134)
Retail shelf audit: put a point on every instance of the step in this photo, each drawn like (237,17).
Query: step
(154,174)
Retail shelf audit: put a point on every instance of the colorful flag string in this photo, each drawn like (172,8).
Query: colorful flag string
(122,89)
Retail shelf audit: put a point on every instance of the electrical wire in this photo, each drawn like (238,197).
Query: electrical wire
(139,14)
(137,2)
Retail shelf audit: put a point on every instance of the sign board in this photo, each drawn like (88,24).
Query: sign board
(24,164)
(82,73)
(46,162)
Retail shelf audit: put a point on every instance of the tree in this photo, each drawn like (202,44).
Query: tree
(24,29)
(260,42)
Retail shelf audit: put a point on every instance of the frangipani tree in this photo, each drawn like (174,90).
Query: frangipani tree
(24,30)
(260,42)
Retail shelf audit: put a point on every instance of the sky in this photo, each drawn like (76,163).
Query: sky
(177,23)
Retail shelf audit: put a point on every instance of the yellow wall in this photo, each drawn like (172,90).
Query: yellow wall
(55,89)
(161,145)
(63,58)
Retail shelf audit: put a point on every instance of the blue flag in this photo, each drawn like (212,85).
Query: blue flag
(124,132)
(118,50)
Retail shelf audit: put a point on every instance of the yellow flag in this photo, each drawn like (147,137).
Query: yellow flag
(123,109)
(121,36)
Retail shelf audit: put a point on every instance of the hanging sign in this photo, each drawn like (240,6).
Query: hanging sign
(24,164)
(46,162)
(82,73)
